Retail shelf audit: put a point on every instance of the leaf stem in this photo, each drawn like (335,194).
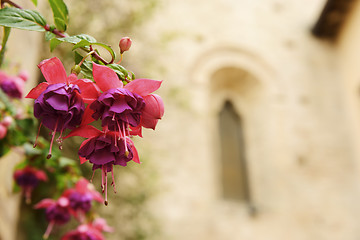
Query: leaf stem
(9,2)
(3,44)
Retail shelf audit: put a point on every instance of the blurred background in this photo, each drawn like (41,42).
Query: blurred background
(261,133)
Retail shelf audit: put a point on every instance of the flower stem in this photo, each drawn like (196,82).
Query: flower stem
(10,2)
(88,54)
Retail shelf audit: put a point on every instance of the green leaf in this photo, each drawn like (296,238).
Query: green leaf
(71,39)
(34,2)
(81,44)
(22,19)
(49,36)
(61,14)
(120,70)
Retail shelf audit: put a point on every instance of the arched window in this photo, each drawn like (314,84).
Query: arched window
(233,163)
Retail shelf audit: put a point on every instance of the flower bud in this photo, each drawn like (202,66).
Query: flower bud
(7,121)
(3,131)
(76,69)
(125,44)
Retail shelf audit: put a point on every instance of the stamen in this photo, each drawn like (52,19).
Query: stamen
(102,179)
(112,176)
(48,230)
(52,139)
(92,177)
(106,201)
(124,136)
(28,195)
(59,140)
(37,136)
(113,118)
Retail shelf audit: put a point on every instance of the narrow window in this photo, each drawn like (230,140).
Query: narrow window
(233,173)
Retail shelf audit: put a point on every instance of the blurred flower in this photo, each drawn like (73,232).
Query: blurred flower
(83,232)
(7,121)
(12,86)
(101,225)
(57,212)
(91,231)
(3,131)
(28,178)
(81,198)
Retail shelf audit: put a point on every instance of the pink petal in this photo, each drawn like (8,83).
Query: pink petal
(143,86)
(154,106)
(88,90)
(47,202)
(41,175)
(86,131)
(135,153)
(82,185)
(136,131)
(53,70)
(105,78)
(97,196)
(87,117)
(149,122)
(82,160)
(36,91)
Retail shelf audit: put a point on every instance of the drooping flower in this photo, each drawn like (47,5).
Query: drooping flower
(60,100)
(28,178)
(13,86)
(90,231)
(56,212)
(81,197)
(84,232)
(120,107)
(104,149)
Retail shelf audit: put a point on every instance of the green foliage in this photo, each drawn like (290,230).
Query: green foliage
(54,42)
(61,14)
(22,19)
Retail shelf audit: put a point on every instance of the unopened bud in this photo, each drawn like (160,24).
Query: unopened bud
(7,121)
(125,44)
(76,69)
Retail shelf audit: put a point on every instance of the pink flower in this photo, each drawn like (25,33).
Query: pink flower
(153,110)
(28,178)
(12,86)
(60,100)
(81,197)
(91,231)
(84,232)
(57,212)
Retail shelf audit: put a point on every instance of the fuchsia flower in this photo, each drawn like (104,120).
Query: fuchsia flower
(28,178)
(12,86)
(120,107)
(91,231)
(81,198)
(104,149)
(3,131)
(83,232)
(60,100)
(57,212)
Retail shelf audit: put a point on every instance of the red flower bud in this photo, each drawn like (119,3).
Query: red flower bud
(125,44)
